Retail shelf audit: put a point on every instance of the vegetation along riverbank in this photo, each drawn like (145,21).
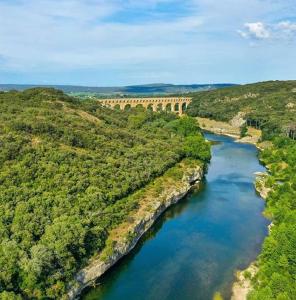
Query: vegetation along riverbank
(271,108)
(72,173)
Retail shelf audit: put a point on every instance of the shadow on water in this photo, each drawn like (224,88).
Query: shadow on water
(195,247)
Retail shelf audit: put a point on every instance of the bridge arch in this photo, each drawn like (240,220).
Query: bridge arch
(150,107)
(168,107)
(117,107)
(176,107)
(159,107)
(139,106)
(127,107)
(184,107)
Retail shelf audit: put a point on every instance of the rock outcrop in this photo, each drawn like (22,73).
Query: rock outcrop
(243,285)
(260,184)
(238,120)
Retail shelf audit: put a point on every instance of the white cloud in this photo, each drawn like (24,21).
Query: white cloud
(287,27)
(255,30)
(260,31)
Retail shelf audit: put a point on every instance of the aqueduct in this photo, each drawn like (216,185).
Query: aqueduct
(173,104)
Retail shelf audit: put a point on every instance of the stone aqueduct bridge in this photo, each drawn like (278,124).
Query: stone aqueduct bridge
(174,104)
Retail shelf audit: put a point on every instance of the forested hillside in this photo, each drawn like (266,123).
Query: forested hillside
(270,106)
(64,164)
(277,263)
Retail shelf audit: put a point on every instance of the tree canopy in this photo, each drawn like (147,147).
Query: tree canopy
(64,166)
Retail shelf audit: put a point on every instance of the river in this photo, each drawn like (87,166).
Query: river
(194,248)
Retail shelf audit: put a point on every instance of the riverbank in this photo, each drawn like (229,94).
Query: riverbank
(219,127)
(154,200)
(243,284)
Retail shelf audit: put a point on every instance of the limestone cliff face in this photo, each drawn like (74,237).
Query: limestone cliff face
(88,275)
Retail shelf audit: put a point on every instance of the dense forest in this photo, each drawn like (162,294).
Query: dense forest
(271,107)
(64,166)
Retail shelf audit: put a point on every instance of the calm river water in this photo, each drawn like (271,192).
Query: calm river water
(193,250)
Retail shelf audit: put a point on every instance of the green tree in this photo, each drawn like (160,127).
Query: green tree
(243,130)
(10,255)
(9,296)
(185,126)
(196,147)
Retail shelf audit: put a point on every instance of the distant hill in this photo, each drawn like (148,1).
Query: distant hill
(146,89)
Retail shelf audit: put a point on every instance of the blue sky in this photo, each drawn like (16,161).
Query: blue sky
(123,42)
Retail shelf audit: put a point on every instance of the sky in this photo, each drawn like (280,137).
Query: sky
(126,42)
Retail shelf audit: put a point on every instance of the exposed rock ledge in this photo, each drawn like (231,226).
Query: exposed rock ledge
(243,286)
(87,276)
(260,184)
